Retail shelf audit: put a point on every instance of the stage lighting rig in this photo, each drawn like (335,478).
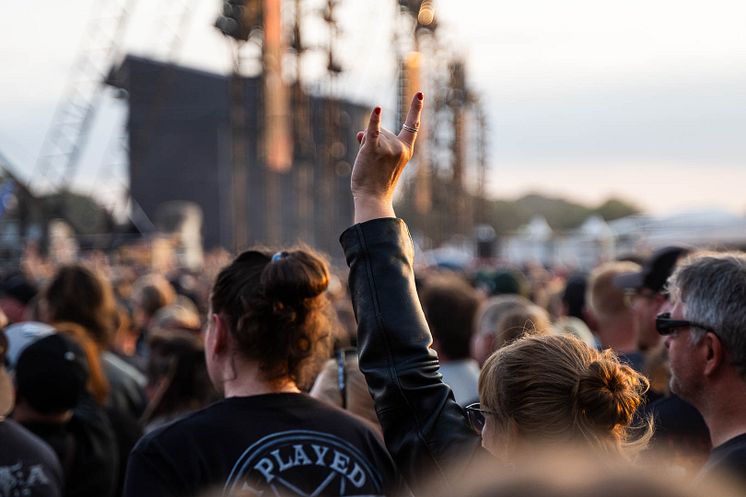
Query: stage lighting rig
(239,18)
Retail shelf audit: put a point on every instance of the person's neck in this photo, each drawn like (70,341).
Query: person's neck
(247,380)
(724,409)
(618,335)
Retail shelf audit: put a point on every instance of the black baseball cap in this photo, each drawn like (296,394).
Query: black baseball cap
(51,374)
(654,272)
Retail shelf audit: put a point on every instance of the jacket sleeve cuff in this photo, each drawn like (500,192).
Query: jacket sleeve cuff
(374,232)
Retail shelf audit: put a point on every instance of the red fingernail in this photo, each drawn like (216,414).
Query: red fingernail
(420,96)
(377,110)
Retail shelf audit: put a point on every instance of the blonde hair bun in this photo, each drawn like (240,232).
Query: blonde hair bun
(610,392)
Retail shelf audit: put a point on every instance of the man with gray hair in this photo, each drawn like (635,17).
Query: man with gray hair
(705,334)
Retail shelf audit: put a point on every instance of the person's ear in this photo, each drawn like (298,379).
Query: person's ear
(714,353)
(590,320)
(482,345)
(220,334)
(490,343)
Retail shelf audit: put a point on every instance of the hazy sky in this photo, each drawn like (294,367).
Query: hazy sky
(641,99)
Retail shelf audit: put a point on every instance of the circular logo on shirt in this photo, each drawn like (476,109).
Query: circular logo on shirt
(304,463)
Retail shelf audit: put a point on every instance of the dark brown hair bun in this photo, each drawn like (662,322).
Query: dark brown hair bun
(294,276)
(277,311)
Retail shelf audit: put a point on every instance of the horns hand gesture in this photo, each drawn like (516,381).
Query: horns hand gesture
(380,162)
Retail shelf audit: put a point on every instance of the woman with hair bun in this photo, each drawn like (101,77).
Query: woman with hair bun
(556,390)
(538,392)
(268,332)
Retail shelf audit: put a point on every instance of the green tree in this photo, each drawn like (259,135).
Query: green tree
(615,208)
(84,214)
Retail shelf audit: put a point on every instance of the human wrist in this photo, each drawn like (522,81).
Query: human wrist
(369,207)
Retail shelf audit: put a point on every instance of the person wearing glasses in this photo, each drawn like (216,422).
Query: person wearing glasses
(705,335)
(645,290)
(539,390)
(680,431)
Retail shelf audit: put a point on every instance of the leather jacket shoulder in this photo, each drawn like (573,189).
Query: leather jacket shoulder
(424,428)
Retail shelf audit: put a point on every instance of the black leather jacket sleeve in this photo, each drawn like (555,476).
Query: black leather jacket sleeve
(424,428)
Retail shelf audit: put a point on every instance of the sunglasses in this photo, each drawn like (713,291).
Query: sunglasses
(475,416)
(666,326)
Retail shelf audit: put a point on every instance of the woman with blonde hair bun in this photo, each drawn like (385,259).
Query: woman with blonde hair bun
(556,389)
(539,391)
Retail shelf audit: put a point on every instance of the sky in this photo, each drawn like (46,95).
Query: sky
(644,100)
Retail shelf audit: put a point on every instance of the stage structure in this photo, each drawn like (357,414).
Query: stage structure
(184,153)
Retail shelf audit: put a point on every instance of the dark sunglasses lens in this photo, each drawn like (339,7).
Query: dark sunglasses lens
(476,420)
(663,324)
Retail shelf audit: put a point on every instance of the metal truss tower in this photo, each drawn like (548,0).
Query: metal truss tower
(76,111)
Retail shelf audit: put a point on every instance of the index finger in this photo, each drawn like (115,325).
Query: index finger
(374,125)
(413,119)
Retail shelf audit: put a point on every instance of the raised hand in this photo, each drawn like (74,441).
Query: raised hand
(380,162)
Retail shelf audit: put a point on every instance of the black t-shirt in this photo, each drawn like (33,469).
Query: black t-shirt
(282,444)
(679,427)
(28,466)
(729,458)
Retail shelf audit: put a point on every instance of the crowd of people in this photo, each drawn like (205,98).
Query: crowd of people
(266,375)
